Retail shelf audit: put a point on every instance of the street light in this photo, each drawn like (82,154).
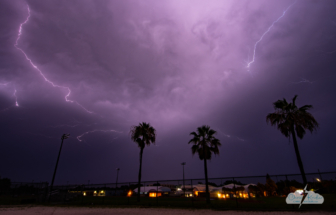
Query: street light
(184,163)
(64,136)
(117,181)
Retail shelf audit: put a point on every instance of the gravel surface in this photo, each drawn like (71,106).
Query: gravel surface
(133,211)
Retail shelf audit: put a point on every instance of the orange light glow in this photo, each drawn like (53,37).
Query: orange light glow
(221,195)
(154,194)
(129,193)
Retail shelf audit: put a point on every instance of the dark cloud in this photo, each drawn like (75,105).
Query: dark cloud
(177,65)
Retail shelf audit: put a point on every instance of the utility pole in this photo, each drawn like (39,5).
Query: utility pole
(64,136)
(117,181)
(184,163)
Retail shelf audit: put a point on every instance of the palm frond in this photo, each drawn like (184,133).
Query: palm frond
(288,115)
(204,142)
(143,134)
(305,108)
(294,98)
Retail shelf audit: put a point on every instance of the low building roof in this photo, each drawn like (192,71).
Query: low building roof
(231,186)
(153,189)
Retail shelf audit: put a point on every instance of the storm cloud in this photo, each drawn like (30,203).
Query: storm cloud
(175,64)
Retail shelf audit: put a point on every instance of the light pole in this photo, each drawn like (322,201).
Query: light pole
(64,136)
(184,163)
(117,181)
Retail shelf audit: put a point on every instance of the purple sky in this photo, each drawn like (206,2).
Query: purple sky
(175,64)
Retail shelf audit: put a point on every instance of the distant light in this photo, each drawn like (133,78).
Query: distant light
(152,195)
(317,179)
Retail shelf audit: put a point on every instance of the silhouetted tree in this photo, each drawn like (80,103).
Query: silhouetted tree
(204,145)
(143,134)
(270,186)
(5,184)
(292,121)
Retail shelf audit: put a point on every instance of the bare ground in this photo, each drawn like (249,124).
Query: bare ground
(134,211)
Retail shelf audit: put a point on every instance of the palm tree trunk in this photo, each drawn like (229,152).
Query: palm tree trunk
(206,181)
(139,178)
(298,157)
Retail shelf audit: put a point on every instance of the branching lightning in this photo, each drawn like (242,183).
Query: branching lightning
(88,132)
(262,36)
(41,73)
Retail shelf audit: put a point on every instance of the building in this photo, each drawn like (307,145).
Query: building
(235,190)
(103,192)
(227,191)
(153,191)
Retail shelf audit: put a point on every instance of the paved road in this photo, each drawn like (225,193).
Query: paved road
(132,211)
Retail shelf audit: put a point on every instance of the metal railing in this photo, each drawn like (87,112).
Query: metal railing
(179,196)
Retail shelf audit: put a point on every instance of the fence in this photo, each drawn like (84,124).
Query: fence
(23,192)
(262,194)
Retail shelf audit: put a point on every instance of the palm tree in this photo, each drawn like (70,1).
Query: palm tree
(143,134)
(292,121)
(204,145)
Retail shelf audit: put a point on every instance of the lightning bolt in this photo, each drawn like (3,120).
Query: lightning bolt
(304,195)
(41,73)
(14,94)
(262,36)
(303,81)
(16,102)
(72,126)
(105,131)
